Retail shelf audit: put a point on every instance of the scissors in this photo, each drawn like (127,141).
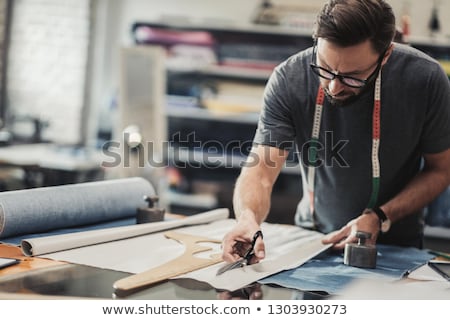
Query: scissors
(245,260)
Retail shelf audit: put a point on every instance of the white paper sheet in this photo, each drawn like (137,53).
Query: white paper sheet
(298,249)
(286,247)
(425,273)
(43,245)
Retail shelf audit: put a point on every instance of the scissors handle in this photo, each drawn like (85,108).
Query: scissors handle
(245,260)
(249,254)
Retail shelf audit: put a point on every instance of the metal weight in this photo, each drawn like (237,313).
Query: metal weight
(360,254)
(150,214)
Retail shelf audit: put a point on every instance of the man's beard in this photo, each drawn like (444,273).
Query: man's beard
(340,102)
(350,100)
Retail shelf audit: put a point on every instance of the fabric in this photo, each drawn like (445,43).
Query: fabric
(17,239)
(415,112)
(66,242)
(50,208)
(327,272)
(287,247)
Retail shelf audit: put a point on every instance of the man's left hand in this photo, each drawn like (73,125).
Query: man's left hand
(365,222)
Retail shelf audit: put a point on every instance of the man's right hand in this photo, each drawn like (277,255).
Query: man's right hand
(242,233)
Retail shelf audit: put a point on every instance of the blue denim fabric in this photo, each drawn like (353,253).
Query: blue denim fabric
(327,272)
(50,208)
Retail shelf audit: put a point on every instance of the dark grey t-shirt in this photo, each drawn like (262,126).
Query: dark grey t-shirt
(415,119)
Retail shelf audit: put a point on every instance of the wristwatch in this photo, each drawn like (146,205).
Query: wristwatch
(385,223)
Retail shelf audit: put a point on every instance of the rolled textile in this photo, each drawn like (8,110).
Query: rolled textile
(62,242)
(49,208)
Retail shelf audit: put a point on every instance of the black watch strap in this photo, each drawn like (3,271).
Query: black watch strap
(380,213)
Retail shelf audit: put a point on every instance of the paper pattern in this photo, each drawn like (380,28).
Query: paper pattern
(286,247)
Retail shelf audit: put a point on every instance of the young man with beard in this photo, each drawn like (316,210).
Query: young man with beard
(370,120)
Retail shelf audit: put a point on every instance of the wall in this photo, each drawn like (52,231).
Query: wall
(47,65)
(121,14)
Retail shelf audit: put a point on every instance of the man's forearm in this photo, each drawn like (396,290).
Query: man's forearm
(254,186)
(251,197)
(423,189)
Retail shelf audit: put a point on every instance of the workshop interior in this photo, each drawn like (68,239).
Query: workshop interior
(139,115)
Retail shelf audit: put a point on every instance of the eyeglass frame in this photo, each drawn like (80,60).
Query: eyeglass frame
(315,67)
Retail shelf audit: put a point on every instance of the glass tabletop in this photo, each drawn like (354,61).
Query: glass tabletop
(72,280)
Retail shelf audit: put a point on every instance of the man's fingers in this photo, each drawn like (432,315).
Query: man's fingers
(336,236)
(260,250)
(343,242)
(228,252)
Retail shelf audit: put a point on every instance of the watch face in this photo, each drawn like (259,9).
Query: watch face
(386,225)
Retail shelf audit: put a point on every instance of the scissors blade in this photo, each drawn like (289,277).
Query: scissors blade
(245,259)
(233,265)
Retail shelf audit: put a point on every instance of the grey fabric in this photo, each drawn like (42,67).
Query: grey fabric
(42,209)
(415,117)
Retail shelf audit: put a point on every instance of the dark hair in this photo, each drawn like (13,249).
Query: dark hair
(351,22)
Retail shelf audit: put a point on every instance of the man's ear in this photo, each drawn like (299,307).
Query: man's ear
(388,53)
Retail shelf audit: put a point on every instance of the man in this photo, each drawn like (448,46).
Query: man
(370,120)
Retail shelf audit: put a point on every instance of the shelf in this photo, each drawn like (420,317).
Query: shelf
(429,41)
(202,159)
(238,72)
(225,27)
(228,72)
(216,80)
(203,201)
(239,50)
(204,114)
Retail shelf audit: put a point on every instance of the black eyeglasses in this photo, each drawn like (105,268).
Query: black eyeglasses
(347,80)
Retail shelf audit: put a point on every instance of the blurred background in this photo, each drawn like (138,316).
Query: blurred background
(167,90)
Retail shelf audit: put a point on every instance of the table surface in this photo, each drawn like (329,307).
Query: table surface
(41,278)
(49,278)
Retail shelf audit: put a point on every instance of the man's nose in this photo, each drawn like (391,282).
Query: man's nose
(335,87)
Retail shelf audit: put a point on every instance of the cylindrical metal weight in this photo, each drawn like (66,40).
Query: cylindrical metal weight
(360,254)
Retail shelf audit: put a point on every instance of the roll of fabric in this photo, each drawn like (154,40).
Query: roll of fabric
(67,241)
(49,208)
